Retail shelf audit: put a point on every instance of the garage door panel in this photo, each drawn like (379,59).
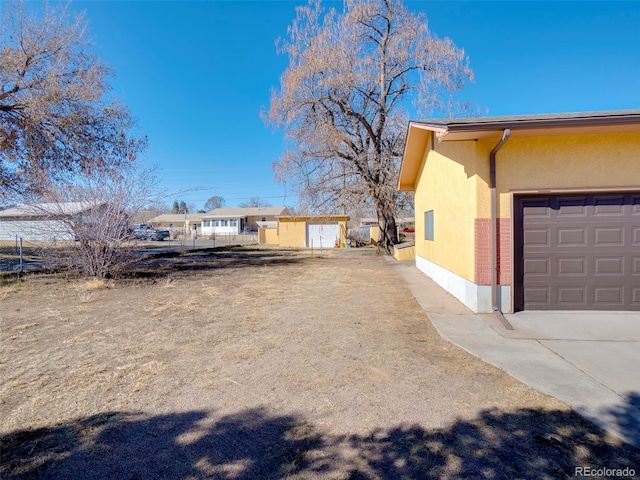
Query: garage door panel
(608,296)
(572,266)
(635,267)
(572,296)
(572,207)
(537,208)
(635,296)
(538,296)
(571,237)
(578,251)
(608,266)
(536,238)
(609,206)
(537,267)
(609,236)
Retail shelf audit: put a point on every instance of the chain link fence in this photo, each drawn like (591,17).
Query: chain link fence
(11,256)
(20,255)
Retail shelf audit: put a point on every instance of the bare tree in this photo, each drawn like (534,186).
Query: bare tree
(345,97)
(159,206)
(214,202)
(55,117)
(255,202)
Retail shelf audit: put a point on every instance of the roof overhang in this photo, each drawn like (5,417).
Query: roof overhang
(421,132)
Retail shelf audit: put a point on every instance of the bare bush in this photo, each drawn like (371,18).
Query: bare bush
(93,219)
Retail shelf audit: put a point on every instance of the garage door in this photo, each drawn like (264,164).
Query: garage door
(577,252)
(322,235)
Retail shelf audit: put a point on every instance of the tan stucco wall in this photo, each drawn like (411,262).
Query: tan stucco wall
(449,189)
(454,183)
(292,233)
(268,236)
(566,161)
(374,234)
(404,254)
(271,236)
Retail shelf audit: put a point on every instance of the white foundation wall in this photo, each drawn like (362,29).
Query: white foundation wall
(476,297)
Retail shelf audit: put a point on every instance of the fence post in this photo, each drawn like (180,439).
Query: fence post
(21,262)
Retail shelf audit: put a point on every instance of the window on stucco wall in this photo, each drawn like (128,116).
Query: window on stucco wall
(428,225)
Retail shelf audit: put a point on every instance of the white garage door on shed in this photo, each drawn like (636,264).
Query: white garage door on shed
(322,235)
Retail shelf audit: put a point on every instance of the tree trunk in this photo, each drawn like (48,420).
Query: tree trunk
(388,231)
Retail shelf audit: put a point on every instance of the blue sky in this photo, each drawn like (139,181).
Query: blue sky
(197,74)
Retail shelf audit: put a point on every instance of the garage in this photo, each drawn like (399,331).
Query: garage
(577,251)
(322,235)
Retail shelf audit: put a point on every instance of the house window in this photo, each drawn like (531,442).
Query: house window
(233,223)
(264,219)
(428,225)
(225,223)
(216,223)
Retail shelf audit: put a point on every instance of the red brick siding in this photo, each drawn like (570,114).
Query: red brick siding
(482,227)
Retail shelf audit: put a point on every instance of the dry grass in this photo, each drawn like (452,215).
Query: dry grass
(336,343)
(93,284)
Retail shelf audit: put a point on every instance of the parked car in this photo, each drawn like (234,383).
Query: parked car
(147,232)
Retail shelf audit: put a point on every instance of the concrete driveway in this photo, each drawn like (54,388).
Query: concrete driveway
(589,360)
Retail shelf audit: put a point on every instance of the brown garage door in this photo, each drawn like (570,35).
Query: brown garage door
(577,252)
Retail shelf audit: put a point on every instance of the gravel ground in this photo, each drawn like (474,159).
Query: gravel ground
(257,363)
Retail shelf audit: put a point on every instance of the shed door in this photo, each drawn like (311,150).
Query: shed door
(577,252)
(322,235)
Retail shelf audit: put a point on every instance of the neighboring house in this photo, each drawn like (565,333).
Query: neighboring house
(233,221)
(43,221)
(178,223)
(529,212)
(313,232)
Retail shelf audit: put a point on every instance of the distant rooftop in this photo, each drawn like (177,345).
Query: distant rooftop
(44,209)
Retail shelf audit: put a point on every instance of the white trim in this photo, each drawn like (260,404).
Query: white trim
(476,297)
(221,230)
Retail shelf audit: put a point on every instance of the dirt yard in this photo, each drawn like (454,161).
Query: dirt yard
(255,363)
